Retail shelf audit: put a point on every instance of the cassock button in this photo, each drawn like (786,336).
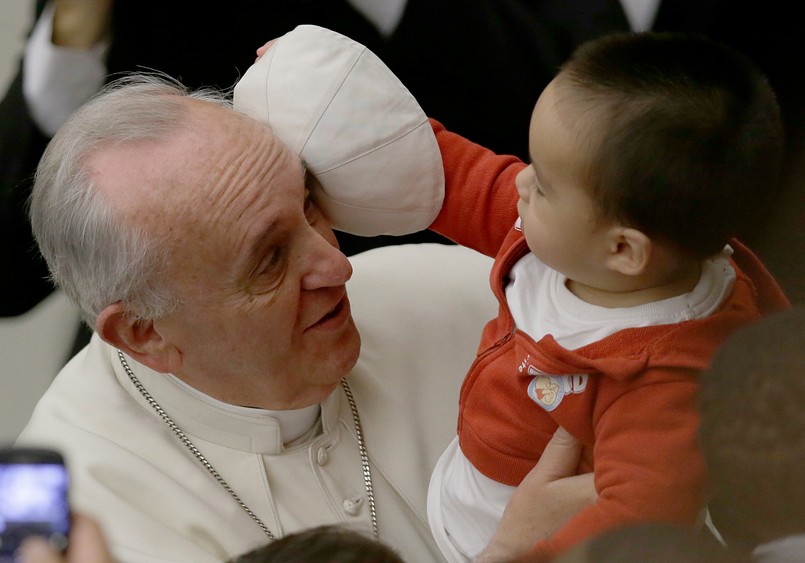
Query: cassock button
(352,506)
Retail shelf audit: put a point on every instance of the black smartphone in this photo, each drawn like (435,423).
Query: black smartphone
(34,486)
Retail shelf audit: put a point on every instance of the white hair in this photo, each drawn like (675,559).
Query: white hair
(94,254)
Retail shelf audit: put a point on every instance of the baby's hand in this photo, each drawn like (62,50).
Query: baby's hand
(262,50)
(549,496)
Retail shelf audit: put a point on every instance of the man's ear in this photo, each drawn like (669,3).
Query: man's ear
(138,338)
(629,251)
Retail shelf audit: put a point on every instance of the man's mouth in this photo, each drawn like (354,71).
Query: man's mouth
(334,315)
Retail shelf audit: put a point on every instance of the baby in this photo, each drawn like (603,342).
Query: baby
(615,280)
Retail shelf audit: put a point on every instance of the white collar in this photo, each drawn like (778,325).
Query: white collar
(247,429)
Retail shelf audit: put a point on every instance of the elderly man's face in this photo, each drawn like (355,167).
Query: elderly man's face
(265,319)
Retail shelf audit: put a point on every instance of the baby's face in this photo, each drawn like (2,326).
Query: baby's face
(558,215)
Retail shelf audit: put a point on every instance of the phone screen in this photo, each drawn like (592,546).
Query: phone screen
(33,501)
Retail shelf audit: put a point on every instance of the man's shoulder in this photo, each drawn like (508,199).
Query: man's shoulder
(84,402)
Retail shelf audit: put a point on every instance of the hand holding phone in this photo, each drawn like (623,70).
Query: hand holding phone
(34,486)
(87,545)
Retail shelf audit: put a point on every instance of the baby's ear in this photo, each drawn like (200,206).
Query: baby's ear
(629,251)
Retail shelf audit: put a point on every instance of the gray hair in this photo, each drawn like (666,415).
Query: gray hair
(94,255)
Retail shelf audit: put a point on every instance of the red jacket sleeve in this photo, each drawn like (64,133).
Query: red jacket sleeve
(648,466)
(480,203)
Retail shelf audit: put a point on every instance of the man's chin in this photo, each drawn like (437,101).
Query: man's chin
(338,358)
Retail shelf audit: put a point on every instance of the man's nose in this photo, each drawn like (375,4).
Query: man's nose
(325,265)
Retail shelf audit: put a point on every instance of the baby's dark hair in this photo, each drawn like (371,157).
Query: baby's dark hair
(752,425)
(687,142)
(323,544)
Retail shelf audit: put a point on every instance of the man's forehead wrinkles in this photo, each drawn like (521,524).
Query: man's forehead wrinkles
(240,173)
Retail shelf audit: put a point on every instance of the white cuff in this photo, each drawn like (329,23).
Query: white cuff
(356,127)
(56,81)
(385,15)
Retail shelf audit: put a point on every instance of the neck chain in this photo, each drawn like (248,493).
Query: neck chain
(367,475)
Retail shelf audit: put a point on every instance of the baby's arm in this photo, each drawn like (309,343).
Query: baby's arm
(560,492)
(648,466)
(480,201)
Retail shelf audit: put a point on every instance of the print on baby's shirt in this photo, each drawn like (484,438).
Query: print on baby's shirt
(548,390)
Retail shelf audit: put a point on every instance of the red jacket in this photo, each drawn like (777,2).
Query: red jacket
(629,398)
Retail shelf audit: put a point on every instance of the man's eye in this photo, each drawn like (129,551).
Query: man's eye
(270,274)
(272,263)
